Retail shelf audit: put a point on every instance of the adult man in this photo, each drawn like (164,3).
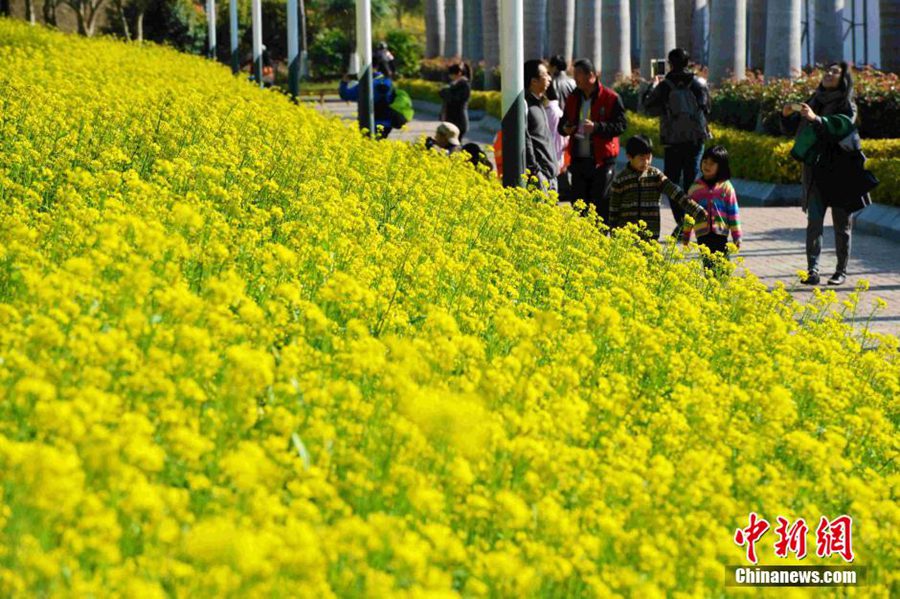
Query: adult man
(540,157)
(595,118)
(682,100)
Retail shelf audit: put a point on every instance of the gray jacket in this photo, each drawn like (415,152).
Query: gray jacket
(539,154)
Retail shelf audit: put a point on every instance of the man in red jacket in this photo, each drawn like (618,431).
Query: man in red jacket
(594,118)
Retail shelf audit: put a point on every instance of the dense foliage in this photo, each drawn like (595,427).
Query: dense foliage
(754,104)
(246,352)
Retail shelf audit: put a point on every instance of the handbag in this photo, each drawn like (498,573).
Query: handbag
(844,181)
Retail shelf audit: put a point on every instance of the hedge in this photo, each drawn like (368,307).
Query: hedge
(754,104)
(754,156)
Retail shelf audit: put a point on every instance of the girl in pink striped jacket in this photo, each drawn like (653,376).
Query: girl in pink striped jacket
(716,194)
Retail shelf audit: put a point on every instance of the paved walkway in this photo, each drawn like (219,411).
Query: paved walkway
(774,238)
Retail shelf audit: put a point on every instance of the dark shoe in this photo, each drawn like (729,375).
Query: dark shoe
(837,278)
(811,279)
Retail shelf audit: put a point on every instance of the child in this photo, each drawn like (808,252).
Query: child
(714,192)
(637,188)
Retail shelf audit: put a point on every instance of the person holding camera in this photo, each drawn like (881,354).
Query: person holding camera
(682,101)
(827,143)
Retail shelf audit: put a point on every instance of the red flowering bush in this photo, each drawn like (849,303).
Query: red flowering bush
(754,104)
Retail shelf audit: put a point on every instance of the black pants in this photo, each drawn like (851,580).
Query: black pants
(815,226)
(564,187)
(716,244)
(682,163)
(591,183)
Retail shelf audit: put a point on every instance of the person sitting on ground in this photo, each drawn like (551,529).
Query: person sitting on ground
(716,194)
(446,139)
(637,187)
(383,95)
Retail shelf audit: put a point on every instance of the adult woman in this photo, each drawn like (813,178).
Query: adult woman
(456,98)
(828,144)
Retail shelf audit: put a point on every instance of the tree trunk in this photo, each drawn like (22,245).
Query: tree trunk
(699,45)
(92,10)
(453,28)
(783,39)
(727,43)
(473,48)
(29,12)
(139,26)
(535,17)
(120,11)
(758,17)
(589,32)
(635,26)
(49,10)
(657,31)
(615,41)
(562,28)
(490,25)
(434,28)
(684,14)
(890,38)
(829,37)
(301,10)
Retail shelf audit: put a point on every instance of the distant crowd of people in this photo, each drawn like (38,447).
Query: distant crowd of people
(572,143)
(573,125)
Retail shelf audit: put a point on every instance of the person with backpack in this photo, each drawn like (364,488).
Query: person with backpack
(383,95)
(456,96)
(681,99)
(383,60)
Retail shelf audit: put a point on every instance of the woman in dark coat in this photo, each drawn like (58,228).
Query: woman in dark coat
(835,153)
(455,108)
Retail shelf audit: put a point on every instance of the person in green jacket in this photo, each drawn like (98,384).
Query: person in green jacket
(824,124)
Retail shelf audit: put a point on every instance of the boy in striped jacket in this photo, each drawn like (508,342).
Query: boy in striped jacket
(716,194)
(636,190)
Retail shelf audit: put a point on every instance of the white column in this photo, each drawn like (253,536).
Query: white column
(256,24)
(365,107)
(211,25)
(512,79)
(233,22)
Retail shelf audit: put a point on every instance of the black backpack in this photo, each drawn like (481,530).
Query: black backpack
(683,120)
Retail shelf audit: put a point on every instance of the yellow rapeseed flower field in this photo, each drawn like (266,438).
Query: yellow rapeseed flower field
(246,352)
